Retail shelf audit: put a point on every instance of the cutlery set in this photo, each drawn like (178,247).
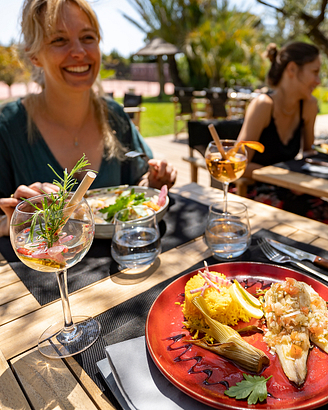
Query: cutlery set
(281,253)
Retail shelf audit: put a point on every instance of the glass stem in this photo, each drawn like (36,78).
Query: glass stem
(62,283)
(225,200)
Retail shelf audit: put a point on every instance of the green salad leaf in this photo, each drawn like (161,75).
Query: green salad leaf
(253,387)
(126,199)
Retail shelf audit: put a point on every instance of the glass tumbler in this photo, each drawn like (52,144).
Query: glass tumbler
(136,239)
(227,234)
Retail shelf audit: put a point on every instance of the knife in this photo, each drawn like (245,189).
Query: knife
(299,254)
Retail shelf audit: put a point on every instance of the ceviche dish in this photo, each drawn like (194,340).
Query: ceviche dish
(105,202)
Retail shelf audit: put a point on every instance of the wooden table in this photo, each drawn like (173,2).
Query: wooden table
(63,384)
(297,181)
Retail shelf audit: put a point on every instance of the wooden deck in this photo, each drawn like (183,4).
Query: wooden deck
(166,147)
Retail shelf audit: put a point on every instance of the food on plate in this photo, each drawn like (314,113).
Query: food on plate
(324,147)
(231,345)
(295,314)
(210,306)
(318,319)
(218,294)
(106,202)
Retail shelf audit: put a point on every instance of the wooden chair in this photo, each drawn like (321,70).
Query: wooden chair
(216,103)
(183,108)
(199,137)
(131,103)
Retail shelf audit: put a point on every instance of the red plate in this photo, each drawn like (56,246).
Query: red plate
(197,372)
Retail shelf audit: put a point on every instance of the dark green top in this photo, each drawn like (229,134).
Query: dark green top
(22,163)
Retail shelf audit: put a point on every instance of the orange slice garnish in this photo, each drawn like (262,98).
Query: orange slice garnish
(257,146)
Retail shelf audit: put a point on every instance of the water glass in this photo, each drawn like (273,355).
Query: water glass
(136,239)
(227,234)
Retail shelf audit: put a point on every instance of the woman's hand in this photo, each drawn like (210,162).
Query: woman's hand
(8,204)
(160,173)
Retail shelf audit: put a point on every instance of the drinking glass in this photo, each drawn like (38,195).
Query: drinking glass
(229,169)
(227,232)
(136,239)
(74,237)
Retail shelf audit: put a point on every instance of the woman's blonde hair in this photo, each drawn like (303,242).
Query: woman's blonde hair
(39,19)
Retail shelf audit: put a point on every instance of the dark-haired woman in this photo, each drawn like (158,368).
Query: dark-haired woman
(283,121)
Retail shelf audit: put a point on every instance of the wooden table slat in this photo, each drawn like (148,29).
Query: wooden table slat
(89,386)
(297,181)
(64,384)
(11,395)
(49,383)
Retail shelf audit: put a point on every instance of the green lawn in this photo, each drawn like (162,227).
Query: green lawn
(158,119)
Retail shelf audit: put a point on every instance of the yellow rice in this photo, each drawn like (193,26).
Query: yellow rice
(220,305)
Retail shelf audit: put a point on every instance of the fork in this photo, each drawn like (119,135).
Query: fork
(135,154)
(275,256)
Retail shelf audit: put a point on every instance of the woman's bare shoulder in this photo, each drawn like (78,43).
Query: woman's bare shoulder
(263,102)
(310,107)
(260,108)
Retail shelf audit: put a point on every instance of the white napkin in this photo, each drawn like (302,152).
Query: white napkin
(318,169)
(137,383)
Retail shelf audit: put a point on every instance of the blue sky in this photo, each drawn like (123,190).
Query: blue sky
(118,32)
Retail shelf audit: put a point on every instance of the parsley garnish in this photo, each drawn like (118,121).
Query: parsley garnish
(253,387)
(125,200)
(49,217)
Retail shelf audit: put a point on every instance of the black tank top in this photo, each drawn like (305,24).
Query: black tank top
(275,151)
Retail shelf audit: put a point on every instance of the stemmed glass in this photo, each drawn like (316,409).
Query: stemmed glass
(226,161)
(73,240)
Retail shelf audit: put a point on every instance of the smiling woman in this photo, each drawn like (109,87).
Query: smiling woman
(70,117)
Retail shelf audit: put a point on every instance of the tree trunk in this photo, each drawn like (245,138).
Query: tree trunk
(161,78)
(174,72)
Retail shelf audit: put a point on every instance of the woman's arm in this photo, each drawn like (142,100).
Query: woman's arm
(257,118)
(310,111)
(8,205)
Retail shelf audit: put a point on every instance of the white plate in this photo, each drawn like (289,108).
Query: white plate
(105,230)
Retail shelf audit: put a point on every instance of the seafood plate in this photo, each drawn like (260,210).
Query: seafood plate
(203,374)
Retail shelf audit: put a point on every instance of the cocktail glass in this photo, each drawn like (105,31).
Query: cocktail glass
(228,169)
(73,240)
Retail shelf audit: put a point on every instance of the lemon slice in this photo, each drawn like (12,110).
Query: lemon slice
(250,298)
(238,297)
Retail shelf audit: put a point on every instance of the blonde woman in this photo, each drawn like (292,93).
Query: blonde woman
(68,118)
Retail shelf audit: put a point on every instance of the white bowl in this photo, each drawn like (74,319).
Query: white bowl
(105,230)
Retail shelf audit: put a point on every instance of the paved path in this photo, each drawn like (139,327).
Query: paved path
(119,87)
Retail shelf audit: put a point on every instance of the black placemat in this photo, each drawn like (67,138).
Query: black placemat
(127,320)
(185,220)
(296,166)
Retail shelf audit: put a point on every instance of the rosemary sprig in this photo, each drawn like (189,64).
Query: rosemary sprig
(47,220)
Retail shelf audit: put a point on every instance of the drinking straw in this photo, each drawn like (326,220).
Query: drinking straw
(79,193)
(82,189)
(217,141)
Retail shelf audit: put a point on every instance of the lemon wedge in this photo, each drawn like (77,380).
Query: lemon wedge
(238,297)
(250,298)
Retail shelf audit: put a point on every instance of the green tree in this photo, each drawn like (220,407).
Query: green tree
(195,26)
(11,68)
(229,48)
(303,18)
